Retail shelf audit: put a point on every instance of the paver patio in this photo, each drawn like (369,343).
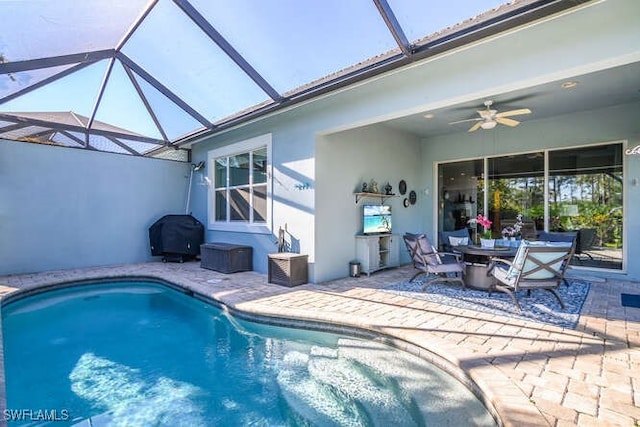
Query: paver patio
(531,374)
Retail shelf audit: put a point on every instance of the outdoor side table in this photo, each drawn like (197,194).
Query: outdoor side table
(288,269)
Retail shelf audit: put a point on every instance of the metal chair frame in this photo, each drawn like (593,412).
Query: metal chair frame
(427,260)
(542,267)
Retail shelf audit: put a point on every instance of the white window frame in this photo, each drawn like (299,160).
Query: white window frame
(253,144)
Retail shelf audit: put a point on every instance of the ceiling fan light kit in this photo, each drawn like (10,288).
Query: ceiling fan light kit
(490,118)
(488,125)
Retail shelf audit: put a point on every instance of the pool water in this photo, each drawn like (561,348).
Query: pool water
(143,354)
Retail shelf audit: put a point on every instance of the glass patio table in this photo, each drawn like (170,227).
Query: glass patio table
(477,260)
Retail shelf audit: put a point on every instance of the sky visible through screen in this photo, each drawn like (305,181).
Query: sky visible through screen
(289,42)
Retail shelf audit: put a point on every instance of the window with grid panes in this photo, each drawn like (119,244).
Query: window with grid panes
(240,183)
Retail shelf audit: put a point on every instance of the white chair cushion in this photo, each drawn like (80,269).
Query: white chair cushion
(502,274)
(518,260)
(558,244)
(545,258)
(542,257)
(458,241)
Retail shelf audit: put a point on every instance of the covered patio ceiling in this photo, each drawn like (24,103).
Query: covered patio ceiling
(147,77)
(595,90)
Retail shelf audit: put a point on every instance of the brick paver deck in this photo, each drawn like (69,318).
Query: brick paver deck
(529,373)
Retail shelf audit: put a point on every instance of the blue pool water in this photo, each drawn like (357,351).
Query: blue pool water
(143,354)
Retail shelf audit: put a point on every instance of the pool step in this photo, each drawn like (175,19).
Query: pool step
(329,386)
(311,400)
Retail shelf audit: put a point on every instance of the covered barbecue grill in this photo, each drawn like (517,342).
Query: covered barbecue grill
(176,238)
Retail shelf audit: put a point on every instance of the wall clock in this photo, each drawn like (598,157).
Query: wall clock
(412,197)
(402,187)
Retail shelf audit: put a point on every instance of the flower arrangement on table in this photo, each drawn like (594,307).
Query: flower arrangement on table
(485,223)
(515,229)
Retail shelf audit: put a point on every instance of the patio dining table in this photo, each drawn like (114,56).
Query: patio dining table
(477,260)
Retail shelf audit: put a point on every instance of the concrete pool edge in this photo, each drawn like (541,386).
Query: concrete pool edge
(504,400)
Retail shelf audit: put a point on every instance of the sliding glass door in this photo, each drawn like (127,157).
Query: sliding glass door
(461,193)
(516,187)
(586,196)
(572,191)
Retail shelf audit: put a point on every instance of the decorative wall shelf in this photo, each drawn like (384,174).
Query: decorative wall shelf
(382,197)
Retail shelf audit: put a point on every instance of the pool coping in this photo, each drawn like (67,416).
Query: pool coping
(504,400)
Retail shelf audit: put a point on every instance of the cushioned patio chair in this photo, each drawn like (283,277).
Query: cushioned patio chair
(583,239)
(561,236)
(537,265)
(558,236)
(445,266)
(449,239)
(586,240)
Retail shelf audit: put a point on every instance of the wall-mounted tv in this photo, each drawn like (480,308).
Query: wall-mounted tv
(376,219)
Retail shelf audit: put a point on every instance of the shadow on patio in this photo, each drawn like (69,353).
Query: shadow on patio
(573,376)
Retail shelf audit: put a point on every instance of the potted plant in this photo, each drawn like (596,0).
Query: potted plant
(486,240)
(513,231)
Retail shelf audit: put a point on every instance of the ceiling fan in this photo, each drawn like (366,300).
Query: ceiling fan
(490,118)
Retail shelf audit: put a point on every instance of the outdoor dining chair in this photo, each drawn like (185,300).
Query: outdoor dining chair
(444,266)
(537,265)
(447,238)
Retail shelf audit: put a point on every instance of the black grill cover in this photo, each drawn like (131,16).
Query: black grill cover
(176,235)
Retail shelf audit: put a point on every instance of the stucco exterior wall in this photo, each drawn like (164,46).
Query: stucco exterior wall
(63,208)
(293,166)
(558,48)
(343,162)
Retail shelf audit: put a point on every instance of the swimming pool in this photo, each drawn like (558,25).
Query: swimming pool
(142,353)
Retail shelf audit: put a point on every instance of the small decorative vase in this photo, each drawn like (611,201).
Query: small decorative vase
(487,243)
(373,186)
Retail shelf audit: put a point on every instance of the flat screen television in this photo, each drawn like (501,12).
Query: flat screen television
(376,219)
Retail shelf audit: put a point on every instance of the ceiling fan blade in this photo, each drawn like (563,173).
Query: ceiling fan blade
(467,120)
(475,127)
(514,112)
(508,122)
